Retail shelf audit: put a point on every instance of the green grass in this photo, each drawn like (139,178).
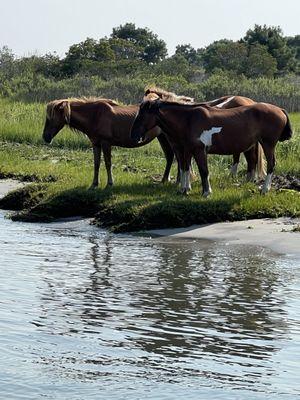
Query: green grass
(62,174)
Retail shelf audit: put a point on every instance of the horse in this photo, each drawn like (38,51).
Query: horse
(254,156)
(106,124)
(195,130)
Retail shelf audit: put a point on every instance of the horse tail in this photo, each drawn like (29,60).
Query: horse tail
(287,132)
(261,162)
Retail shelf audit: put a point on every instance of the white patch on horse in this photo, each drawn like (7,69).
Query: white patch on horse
(206,136)
(224,102)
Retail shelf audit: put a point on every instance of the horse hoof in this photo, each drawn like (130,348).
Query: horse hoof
(263,192)
(206,194)
(183,192)
(93,187)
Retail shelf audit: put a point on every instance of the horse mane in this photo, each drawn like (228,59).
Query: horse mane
(65,105)
(154,93)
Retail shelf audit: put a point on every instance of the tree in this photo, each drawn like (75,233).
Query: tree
(175,65)
(7,59)
(88,50)
(193,56)
(225,55)
(259,62)
(124,49)
(272,37)
(294,43)
(152,49)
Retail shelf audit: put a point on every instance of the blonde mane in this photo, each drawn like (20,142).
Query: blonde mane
(65,105)
(154,93)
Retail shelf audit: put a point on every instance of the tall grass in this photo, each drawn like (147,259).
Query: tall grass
(285,92)
(24,122)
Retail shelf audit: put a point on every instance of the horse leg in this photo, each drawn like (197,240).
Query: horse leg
(107,159)
(234,167)
(251,157)
(201,160)
(179,158)
(186,172)
(269,150)
(169,154)
(97,159)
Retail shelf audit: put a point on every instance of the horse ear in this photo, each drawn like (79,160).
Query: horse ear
(147,92)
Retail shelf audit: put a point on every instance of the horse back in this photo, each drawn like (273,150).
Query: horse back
(115,123)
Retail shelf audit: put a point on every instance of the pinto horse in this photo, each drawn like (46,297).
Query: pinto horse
(106,124)
(254,156)
(196,130)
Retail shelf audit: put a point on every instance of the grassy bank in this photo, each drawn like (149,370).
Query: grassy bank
(62,173)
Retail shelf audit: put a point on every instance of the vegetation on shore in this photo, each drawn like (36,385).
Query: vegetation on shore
(263,65)
(62,173)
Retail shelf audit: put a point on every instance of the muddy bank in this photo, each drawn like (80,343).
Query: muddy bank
(281,235)
(286,181)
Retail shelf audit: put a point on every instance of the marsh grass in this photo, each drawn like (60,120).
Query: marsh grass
(62,174)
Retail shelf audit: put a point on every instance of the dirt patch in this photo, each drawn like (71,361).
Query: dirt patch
(287,181)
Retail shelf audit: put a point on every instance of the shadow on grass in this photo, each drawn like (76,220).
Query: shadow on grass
(139,206)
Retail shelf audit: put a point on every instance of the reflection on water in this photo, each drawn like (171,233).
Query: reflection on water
(86,314)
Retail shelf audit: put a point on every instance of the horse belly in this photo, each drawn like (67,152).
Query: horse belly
(226,143)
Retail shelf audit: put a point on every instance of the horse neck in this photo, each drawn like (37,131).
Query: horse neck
(80,118)
(171,118)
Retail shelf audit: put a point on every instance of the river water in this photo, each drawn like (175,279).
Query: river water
(85,314)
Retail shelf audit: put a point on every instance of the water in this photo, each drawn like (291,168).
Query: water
(89,315)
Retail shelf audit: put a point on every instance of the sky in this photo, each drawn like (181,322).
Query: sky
(40,26)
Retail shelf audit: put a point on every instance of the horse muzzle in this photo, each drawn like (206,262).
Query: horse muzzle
(47,138)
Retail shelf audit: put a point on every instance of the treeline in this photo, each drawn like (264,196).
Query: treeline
(264,65)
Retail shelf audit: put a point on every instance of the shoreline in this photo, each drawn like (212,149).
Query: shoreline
(7,185)
(275,234)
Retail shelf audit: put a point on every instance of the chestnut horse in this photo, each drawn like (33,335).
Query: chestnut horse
(106,124)
(196,130)
(254,156)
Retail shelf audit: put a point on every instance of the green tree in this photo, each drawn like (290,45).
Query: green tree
(7,59)
(193,56)
(277,45)
(259,62)
(151,48)
(294,44)
(225,55)
(88,50)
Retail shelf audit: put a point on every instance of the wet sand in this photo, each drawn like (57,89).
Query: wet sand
(275,234)
(6,185)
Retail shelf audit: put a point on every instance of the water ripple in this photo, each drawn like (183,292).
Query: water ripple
(87,314)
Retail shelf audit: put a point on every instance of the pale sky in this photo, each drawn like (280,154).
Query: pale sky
(40,26)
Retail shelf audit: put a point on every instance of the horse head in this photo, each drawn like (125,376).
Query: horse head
(57,116)
(146,119)
(154,93)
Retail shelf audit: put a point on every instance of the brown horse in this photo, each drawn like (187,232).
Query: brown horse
(106,124)
(196,130)
(254,156)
